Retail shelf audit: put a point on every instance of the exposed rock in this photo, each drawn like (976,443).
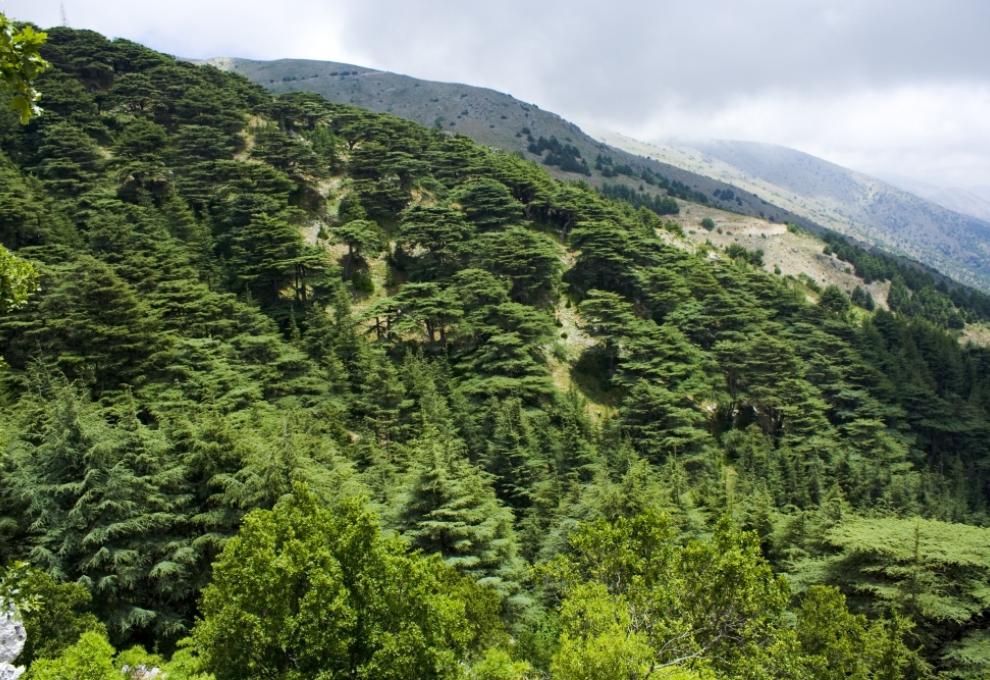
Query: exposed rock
(140,672)
(12,639)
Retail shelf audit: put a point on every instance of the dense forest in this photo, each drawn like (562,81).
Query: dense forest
(310,392)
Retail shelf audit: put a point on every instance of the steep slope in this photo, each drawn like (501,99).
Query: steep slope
(498,120)
(841,199)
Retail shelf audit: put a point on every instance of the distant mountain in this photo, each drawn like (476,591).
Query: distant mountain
(846,201)
(973,201)
(500,120)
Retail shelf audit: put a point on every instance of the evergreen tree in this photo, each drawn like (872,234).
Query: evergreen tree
(528,260)
(307,590)
(68,159)
(488,204)
(441,233)
(660,424)
(363,239)
(452,510)
(511,455)
(103,504)
(91,322)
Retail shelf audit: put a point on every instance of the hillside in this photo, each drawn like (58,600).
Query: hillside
(498,120)
(791,253)
(840,199)
(308,391)
(973,201)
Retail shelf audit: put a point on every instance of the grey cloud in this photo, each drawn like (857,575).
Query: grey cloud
(592,57)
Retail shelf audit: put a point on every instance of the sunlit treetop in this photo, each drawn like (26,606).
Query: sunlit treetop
(20,64)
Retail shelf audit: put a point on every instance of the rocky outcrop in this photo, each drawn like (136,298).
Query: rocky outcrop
(12,639)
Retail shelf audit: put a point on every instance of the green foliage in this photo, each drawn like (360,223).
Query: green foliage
(527,259)
(488,204)
(635,601)
(934,572)
(100,501)
(862,298)
(69,159)
(565,156)
(452,510)
(661,205)
(597,640)
(305,590)
(628,586)
(496,664)
(441,233)
(92,322)
(942,302)
(738,252)
(930,567)
(18,279)
(834,301)
(20,64)
(54,614)
(663,424)
(839,644)
(363,239)
(91,658)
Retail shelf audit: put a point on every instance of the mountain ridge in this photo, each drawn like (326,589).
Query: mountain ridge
(968,200)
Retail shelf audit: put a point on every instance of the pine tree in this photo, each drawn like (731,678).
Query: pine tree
(511,455)
(661,423)
(92,321)
(488,204)
(103,505)
(451,509)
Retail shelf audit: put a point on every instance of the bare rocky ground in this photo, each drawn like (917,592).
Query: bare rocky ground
(790,253)
(12,639)
(794,254)
(977,334)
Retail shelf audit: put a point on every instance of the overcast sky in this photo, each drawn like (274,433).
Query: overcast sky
(889,87)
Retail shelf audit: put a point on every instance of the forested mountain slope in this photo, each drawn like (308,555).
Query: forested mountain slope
(758,180)
(843,200)
(312,392)
(496,119)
